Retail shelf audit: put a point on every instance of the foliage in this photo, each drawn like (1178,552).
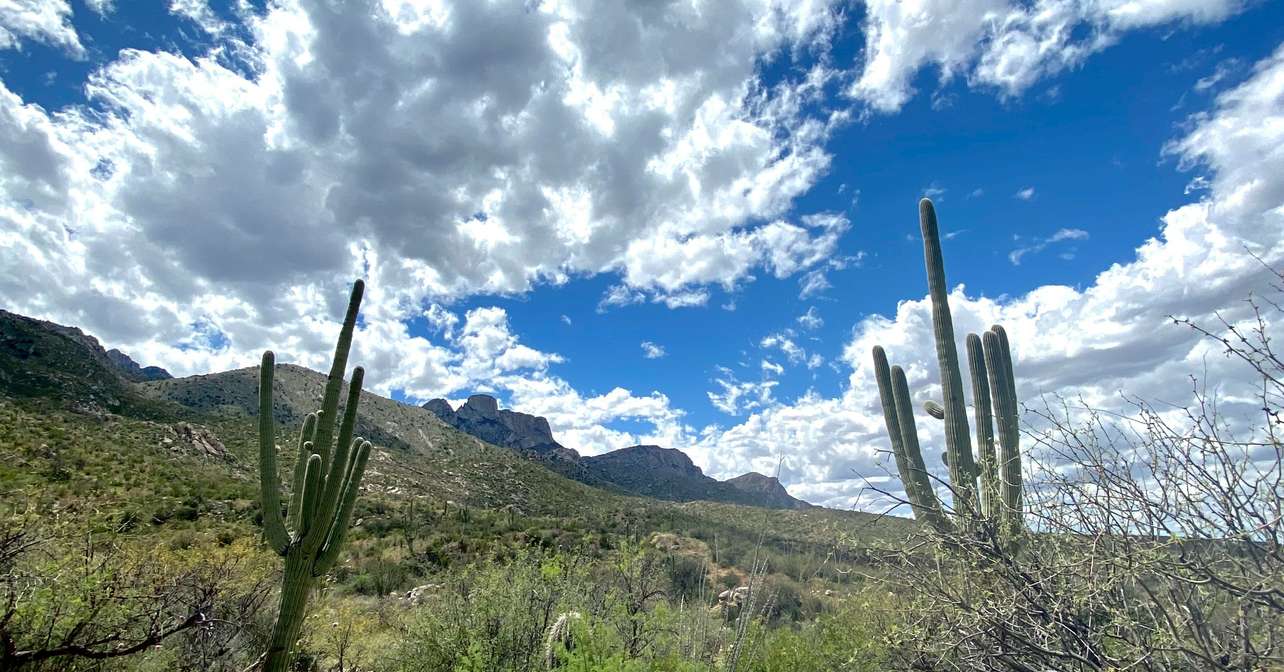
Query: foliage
(1156,542)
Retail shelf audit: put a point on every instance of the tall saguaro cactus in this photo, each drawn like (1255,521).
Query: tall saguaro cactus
(327,476)
(994,397)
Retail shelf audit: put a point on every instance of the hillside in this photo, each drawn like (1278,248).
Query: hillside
(418,456)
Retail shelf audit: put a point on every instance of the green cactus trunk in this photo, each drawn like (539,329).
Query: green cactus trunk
(958,443)
(295,590)
(998,360)
(326,480)
(984,426)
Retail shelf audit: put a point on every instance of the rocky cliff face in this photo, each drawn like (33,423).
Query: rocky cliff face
(482,417)
(132,370)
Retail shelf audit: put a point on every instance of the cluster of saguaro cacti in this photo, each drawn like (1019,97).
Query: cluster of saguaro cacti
(327,475)
(994,395)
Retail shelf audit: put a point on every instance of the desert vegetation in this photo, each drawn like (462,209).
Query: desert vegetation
(143,527)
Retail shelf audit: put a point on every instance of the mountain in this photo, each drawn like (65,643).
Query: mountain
(649,471)
(182,455)
(481,417)
(767,489)
(132,370)
(667,473)
(42,359)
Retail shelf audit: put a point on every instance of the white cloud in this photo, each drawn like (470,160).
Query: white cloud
(1001,44)
(811,319)
(651,350)
(566,319)
(200,13)
(44,21)
(1041,244)
(1024,194)
(101,7)
(1094,342)
(609,141)
(735,397)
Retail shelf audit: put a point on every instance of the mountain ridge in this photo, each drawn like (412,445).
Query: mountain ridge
(645,470)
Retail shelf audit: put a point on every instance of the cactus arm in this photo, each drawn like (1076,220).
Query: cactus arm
(295,512)
(904,466)
(957,439)
(1009,462)
(984,426)
(334,382)
(273,524)
(1013,461)
(1007,358)
(934,409)
(338,467)
(352,485)
(311,493)
(920,484)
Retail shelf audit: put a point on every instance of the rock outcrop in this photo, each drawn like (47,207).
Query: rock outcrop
(481,417)
(132,370)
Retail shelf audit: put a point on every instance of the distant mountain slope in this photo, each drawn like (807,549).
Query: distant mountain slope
(650,471)
(451,451)
(132,370)
(667,473)
(43,359)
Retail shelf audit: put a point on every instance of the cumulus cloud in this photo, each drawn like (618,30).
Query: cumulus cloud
(1001,44)
(398,142)
(44,21)
(735,397)
(200,13)
(1024,194)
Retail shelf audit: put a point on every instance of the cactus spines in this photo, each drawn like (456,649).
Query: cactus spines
(326,480)
(994,397)
(957,440)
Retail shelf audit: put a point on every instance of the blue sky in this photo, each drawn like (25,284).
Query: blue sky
(796,154)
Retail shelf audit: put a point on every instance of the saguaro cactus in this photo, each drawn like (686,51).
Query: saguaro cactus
(994,396)
(327,475)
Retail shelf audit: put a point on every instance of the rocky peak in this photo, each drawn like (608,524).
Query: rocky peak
(441,408)
(481,417)
(133,371)
(482,404)
(767,488)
